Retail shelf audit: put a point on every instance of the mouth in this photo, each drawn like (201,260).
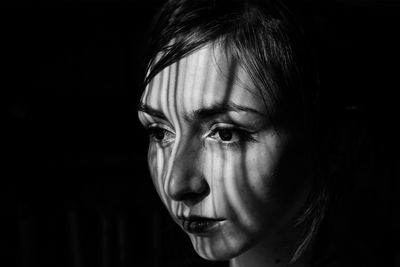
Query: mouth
(199,225)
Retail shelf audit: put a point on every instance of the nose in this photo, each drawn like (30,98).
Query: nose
(186,182)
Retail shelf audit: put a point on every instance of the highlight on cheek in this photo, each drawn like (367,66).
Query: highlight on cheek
(235,188)
(155,157)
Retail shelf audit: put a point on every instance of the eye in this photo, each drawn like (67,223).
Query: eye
(229,134)
(225,134)
(160,134)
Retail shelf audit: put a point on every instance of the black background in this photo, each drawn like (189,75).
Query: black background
(76,190)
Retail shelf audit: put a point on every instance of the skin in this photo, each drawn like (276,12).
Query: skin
(214,153)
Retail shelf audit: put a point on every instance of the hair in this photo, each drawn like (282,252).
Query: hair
(265,38)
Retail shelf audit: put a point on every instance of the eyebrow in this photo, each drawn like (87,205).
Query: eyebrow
(202,113)
(151,111)
(218,109)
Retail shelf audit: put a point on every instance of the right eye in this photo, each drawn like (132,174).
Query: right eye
(160,134)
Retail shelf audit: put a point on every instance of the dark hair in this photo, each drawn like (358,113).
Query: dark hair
(262,35)
(265,38)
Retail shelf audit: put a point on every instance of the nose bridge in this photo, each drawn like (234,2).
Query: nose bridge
(184,169)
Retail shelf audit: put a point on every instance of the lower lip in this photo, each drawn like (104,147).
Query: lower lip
(200,227)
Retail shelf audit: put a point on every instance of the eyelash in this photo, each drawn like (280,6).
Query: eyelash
(243,135)
(153,132)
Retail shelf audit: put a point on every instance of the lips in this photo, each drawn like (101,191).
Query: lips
(199,225)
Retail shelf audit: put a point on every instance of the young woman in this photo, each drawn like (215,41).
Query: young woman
(231,105)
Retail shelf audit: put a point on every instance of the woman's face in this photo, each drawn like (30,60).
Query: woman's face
(226,175)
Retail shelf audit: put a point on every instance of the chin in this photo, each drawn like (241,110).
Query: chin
(219,248)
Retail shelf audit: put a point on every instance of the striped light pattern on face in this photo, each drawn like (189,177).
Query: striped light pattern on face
(213,153)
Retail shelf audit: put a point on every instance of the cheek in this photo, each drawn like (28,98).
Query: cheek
(240,179)
(157,160)
(260,166)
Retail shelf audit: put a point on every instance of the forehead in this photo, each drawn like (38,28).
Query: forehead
(200,80)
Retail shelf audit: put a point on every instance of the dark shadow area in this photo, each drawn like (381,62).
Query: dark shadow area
(76,188)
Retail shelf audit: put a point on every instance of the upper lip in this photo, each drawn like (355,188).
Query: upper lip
(198,218)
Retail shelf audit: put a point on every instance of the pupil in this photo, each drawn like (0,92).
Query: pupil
(159,134)
(225,135)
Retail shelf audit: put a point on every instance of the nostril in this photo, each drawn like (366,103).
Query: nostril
(191,198)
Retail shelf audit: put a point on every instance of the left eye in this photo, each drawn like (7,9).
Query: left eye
(225,134)
(229,135)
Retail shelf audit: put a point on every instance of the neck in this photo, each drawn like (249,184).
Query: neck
(265,254)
